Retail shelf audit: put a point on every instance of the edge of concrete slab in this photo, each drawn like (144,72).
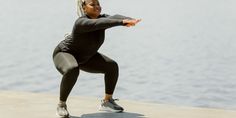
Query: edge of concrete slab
(16,104)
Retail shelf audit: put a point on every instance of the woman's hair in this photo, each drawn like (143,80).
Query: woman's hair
(79,6)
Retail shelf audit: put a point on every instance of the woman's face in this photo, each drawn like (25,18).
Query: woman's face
(92,8)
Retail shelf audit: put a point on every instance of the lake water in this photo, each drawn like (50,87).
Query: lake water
(183,51)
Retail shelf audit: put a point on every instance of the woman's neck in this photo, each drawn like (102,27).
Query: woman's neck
(92,17)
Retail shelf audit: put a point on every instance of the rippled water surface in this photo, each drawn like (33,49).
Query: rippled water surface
(183,52)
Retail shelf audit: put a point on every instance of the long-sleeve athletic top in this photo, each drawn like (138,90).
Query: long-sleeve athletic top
(88,35)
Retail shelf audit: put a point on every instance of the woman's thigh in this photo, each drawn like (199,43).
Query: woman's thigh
(99,63)
(64,62)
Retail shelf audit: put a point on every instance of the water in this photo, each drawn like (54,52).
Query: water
(183,52)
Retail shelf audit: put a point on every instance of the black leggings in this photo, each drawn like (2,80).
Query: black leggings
(69,67)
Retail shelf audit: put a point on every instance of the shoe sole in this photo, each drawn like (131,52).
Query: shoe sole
(62,116)
(107,109)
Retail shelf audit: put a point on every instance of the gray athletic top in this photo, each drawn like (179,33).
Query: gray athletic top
(88,35)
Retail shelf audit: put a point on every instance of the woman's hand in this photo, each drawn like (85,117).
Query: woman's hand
(130,22)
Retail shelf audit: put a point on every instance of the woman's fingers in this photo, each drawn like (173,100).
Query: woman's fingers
(131,22)
(138,20)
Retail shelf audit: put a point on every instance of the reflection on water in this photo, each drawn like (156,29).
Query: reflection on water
(183,52)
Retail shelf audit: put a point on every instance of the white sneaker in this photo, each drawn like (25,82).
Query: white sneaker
(62,111)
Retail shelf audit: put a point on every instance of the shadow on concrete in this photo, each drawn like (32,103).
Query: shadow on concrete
(111,115)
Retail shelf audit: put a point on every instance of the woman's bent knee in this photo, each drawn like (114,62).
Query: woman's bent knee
(70,69)
(65,62)
(112,67)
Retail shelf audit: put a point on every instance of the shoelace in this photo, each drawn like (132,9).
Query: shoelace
(113,101)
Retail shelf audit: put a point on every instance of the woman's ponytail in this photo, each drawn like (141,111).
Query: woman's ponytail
(79,6)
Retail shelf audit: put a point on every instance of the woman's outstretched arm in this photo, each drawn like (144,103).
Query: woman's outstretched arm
(118,16)
(88,25)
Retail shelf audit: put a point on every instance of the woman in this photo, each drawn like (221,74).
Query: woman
(79,51)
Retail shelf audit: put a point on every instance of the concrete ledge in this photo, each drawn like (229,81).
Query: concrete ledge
(14,104)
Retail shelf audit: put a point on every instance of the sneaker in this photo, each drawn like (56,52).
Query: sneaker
(110,106)
(62,111)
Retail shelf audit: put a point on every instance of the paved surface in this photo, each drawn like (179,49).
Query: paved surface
(38,105)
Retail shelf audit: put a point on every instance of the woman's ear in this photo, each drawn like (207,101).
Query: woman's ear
(83,8)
